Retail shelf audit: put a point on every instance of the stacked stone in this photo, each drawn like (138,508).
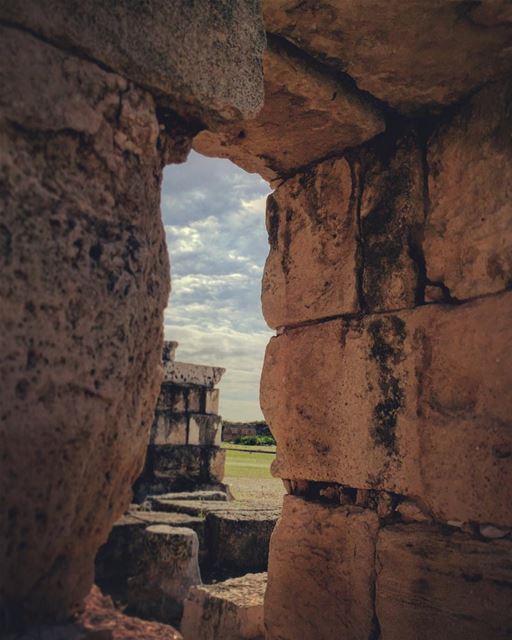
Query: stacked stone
(387,386)
(184,447)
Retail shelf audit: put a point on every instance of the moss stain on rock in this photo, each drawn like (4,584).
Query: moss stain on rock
(386,350)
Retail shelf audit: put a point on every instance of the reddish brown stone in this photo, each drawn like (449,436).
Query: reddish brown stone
(85,279)
(321,568)
(434,584)
(100,620)
(468,235)
(391,225)
(310,272)
(409,54)
(307,115)
(417,403)
(204,57)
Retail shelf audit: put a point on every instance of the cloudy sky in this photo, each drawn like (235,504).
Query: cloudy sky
(214,216)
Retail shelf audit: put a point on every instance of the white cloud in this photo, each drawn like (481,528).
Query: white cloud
(215,228)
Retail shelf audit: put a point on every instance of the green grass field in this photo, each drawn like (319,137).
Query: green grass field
(248,462)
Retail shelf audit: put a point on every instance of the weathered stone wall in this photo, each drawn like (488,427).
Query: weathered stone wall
(387,386)
(96,98)
(387,280)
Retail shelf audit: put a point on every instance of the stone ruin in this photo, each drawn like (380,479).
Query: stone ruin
(184,442)
(186,553)
(384,128)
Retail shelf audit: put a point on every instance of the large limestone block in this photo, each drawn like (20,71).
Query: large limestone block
(186,373)
(417,403)
(308,114)
(85,279)
(431,584)
(468,235)
(321,572)
(179,468)
(205,57)
(391,224)
(409,54)
(175,398)
(204,430)
(167,570)
(238,540)
(231,610)
(169,429)
(310,272)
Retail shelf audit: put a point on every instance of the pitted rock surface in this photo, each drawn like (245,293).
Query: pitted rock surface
(85,279)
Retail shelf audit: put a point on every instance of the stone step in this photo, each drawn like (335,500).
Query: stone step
(229,610)
(237,534)
(217,496)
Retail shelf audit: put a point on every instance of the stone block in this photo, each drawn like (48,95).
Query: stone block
(211,401)
(468,235)
(231,610)
(204,57)
(238,541)
(205,430)
(416,403)
(321,572)
(308,113)
(84,269)
(391,225)
(168,568)
(182,467)
(168,428)
(176,398)
(435,584)
(185,373)
(310,272)
(390,60)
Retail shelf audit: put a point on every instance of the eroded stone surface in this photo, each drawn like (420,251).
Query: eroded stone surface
(391,224)
(468,235)
(176,468)
(321,565)
(420,52)
(231,610)
(85,279)
(167,568)
(399,402)
(205,430)
(307,115)
(168,429)
(192,374)
(466,582)
(100,620)
(122,556)
(238,541)
(310,272)
(205,57)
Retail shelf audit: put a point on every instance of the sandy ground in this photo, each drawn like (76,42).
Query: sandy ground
(261,490)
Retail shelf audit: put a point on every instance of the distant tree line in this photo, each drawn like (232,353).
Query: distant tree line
(251,433)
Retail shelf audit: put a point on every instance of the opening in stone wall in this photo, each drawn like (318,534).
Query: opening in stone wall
(205,475)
